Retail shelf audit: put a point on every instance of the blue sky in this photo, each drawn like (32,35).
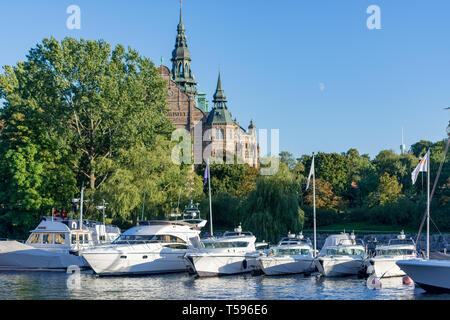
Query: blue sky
(310,68)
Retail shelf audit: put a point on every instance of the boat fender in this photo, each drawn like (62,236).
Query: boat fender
(407,280)
(244,264)
(373,283)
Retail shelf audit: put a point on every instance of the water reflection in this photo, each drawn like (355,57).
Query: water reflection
(48,285)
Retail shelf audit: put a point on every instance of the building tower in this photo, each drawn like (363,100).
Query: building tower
(402,146)
(181,62)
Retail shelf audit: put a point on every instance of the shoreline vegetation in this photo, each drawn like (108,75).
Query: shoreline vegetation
(81,113)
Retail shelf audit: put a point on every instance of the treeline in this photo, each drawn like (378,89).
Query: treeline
(80,113)
(350,187)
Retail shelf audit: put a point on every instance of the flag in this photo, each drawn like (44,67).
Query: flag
(421,167)
(311,172)
(206,174)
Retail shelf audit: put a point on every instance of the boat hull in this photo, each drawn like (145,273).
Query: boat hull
(135,263)
(338,266)
(209,265)
(286,265)
(383,267)
(431,275)
(19,257)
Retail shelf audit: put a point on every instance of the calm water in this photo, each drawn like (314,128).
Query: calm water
(47,285)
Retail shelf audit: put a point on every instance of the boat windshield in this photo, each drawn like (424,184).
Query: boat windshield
(395,252)
(47,238)
(139,239)
(344,252)
(289,252)
(225,244)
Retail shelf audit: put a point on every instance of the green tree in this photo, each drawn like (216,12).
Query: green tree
(389,191)
(325,197)
(69,110)
(288,159)
(272,209)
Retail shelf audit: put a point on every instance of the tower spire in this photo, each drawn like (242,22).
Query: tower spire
(220,98)
(181,20)
(181,61)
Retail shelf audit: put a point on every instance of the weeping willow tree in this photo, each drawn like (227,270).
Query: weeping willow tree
(145,182)
(273,207)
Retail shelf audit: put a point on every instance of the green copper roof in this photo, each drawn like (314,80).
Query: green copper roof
(220,114)
(202,102)
(220,96)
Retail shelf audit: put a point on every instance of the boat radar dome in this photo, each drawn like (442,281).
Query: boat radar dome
(290,235)
(300,235)
(401,236)
(238,229)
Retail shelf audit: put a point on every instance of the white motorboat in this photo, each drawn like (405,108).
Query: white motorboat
(233,253)
(293,254)
(155,246)
(383,263)
(341,255)
(430,274)
(55,244)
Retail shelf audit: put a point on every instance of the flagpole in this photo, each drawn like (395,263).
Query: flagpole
(210,205)
(314,206)
(428,205)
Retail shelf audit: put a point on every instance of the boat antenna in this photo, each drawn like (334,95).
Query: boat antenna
(143,207)
(81,206)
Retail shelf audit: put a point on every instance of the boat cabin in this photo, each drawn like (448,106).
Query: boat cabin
(63,233)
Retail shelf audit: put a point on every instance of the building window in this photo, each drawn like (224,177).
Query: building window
(220,134)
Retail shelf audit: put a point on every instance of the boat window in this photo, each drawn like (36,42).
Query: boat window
(169,238)
(34,238)
(84,238)
(344,252)
(137,239)
(228,244)
(73,238)
(60,238)
(176,246)
(47,238)
(395,252)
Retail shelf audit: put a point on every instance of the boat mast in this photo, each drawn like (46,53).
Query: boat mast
(210,205)
(314,205)
(81,208)
(428,204)
(143,207)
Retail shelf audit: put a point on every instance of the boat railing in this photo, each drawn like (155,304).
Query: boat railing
(408,241)
(351,242)
(295,242)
